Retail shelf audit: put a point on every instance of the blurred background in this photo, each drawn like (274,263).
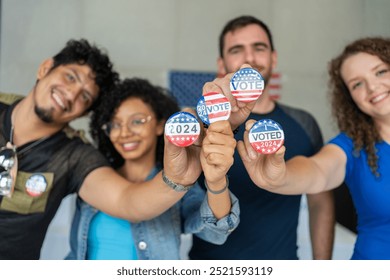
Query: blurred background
(153,38)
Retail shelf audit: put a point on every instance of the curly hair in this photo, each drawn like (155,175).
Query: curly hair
(240,22)
(83,53)
(158,98)
(350,119)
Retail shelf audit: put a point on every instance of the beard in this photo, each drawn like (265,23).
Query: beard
(44,114)
(266,75)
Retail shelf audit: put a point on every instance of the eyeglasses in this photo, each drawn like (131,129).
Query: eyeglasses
(8,169)
(135,123)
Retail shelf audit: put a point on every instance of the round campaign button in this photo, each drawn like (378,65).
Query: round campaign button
(182,129)
(212,107)
(247,85)
(266,136)
(36,185)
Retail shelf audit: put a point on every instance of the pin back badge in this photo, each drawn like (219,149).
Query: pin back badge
(182,129)
(266,136)
(247,85)
(212,107)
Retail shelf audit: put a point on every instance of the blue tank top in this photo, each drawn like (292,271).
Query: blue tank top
(110,238)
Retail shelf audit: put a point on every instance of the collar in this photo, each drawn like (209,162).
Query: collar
(153,172)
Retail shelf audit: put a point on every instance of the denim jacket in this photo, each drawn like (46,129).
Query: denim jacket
(159,238)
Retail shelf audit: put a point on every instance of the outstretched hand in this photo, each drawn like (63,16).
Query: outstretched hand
(217,152)
(266,170)
(182,164)
(240,110)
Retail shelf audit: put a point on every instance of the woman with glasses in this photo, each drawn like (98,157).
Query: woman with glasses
(129,130)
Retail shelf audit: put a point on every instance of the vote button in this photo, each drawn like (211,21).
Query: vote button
(266,136)
(247,85)
(182,129)
(212,107)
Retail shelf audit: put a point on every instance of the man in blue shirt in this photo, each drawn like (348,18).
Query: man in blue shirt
(268,221)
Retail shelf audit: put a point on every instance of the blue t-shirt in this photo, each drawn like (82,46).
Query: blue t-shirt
(268,221)
(371,197)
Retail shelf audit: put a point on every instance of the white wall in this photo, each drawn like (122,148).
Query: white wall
(150,37)
(147,38)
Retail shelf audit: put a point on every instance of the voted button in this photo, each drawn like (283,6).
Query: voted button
(182,129)
(212,107)
(266,136)
(247,85)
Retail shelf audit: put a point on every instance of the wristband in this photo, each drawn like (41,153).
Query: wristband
(220,191)
(175,186)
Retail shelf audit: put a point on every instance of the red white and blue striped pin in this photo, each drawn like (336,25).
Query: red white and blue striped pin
(182,129)
(212,107)
(247,85)
(266,136)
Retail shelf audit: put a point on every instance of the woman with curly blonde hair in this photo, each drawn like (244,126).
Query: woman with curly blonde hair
(358,155)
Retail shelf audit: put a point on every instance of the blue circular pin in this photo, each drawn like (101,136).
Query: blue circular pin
(266,136)
(247,84)
(212,107)
(182,129)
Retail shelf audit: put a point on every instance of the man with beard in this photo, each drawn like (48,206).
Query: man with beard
(268,221)
(40,164)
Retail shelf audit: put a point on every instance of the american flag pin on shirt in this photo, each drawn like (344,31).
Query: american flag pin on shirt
(266,136)
(247,85)
(182,129)
(212,107)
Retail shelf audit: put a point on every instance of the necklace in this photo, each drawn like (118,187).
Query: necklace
(27,148)
(32,145)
